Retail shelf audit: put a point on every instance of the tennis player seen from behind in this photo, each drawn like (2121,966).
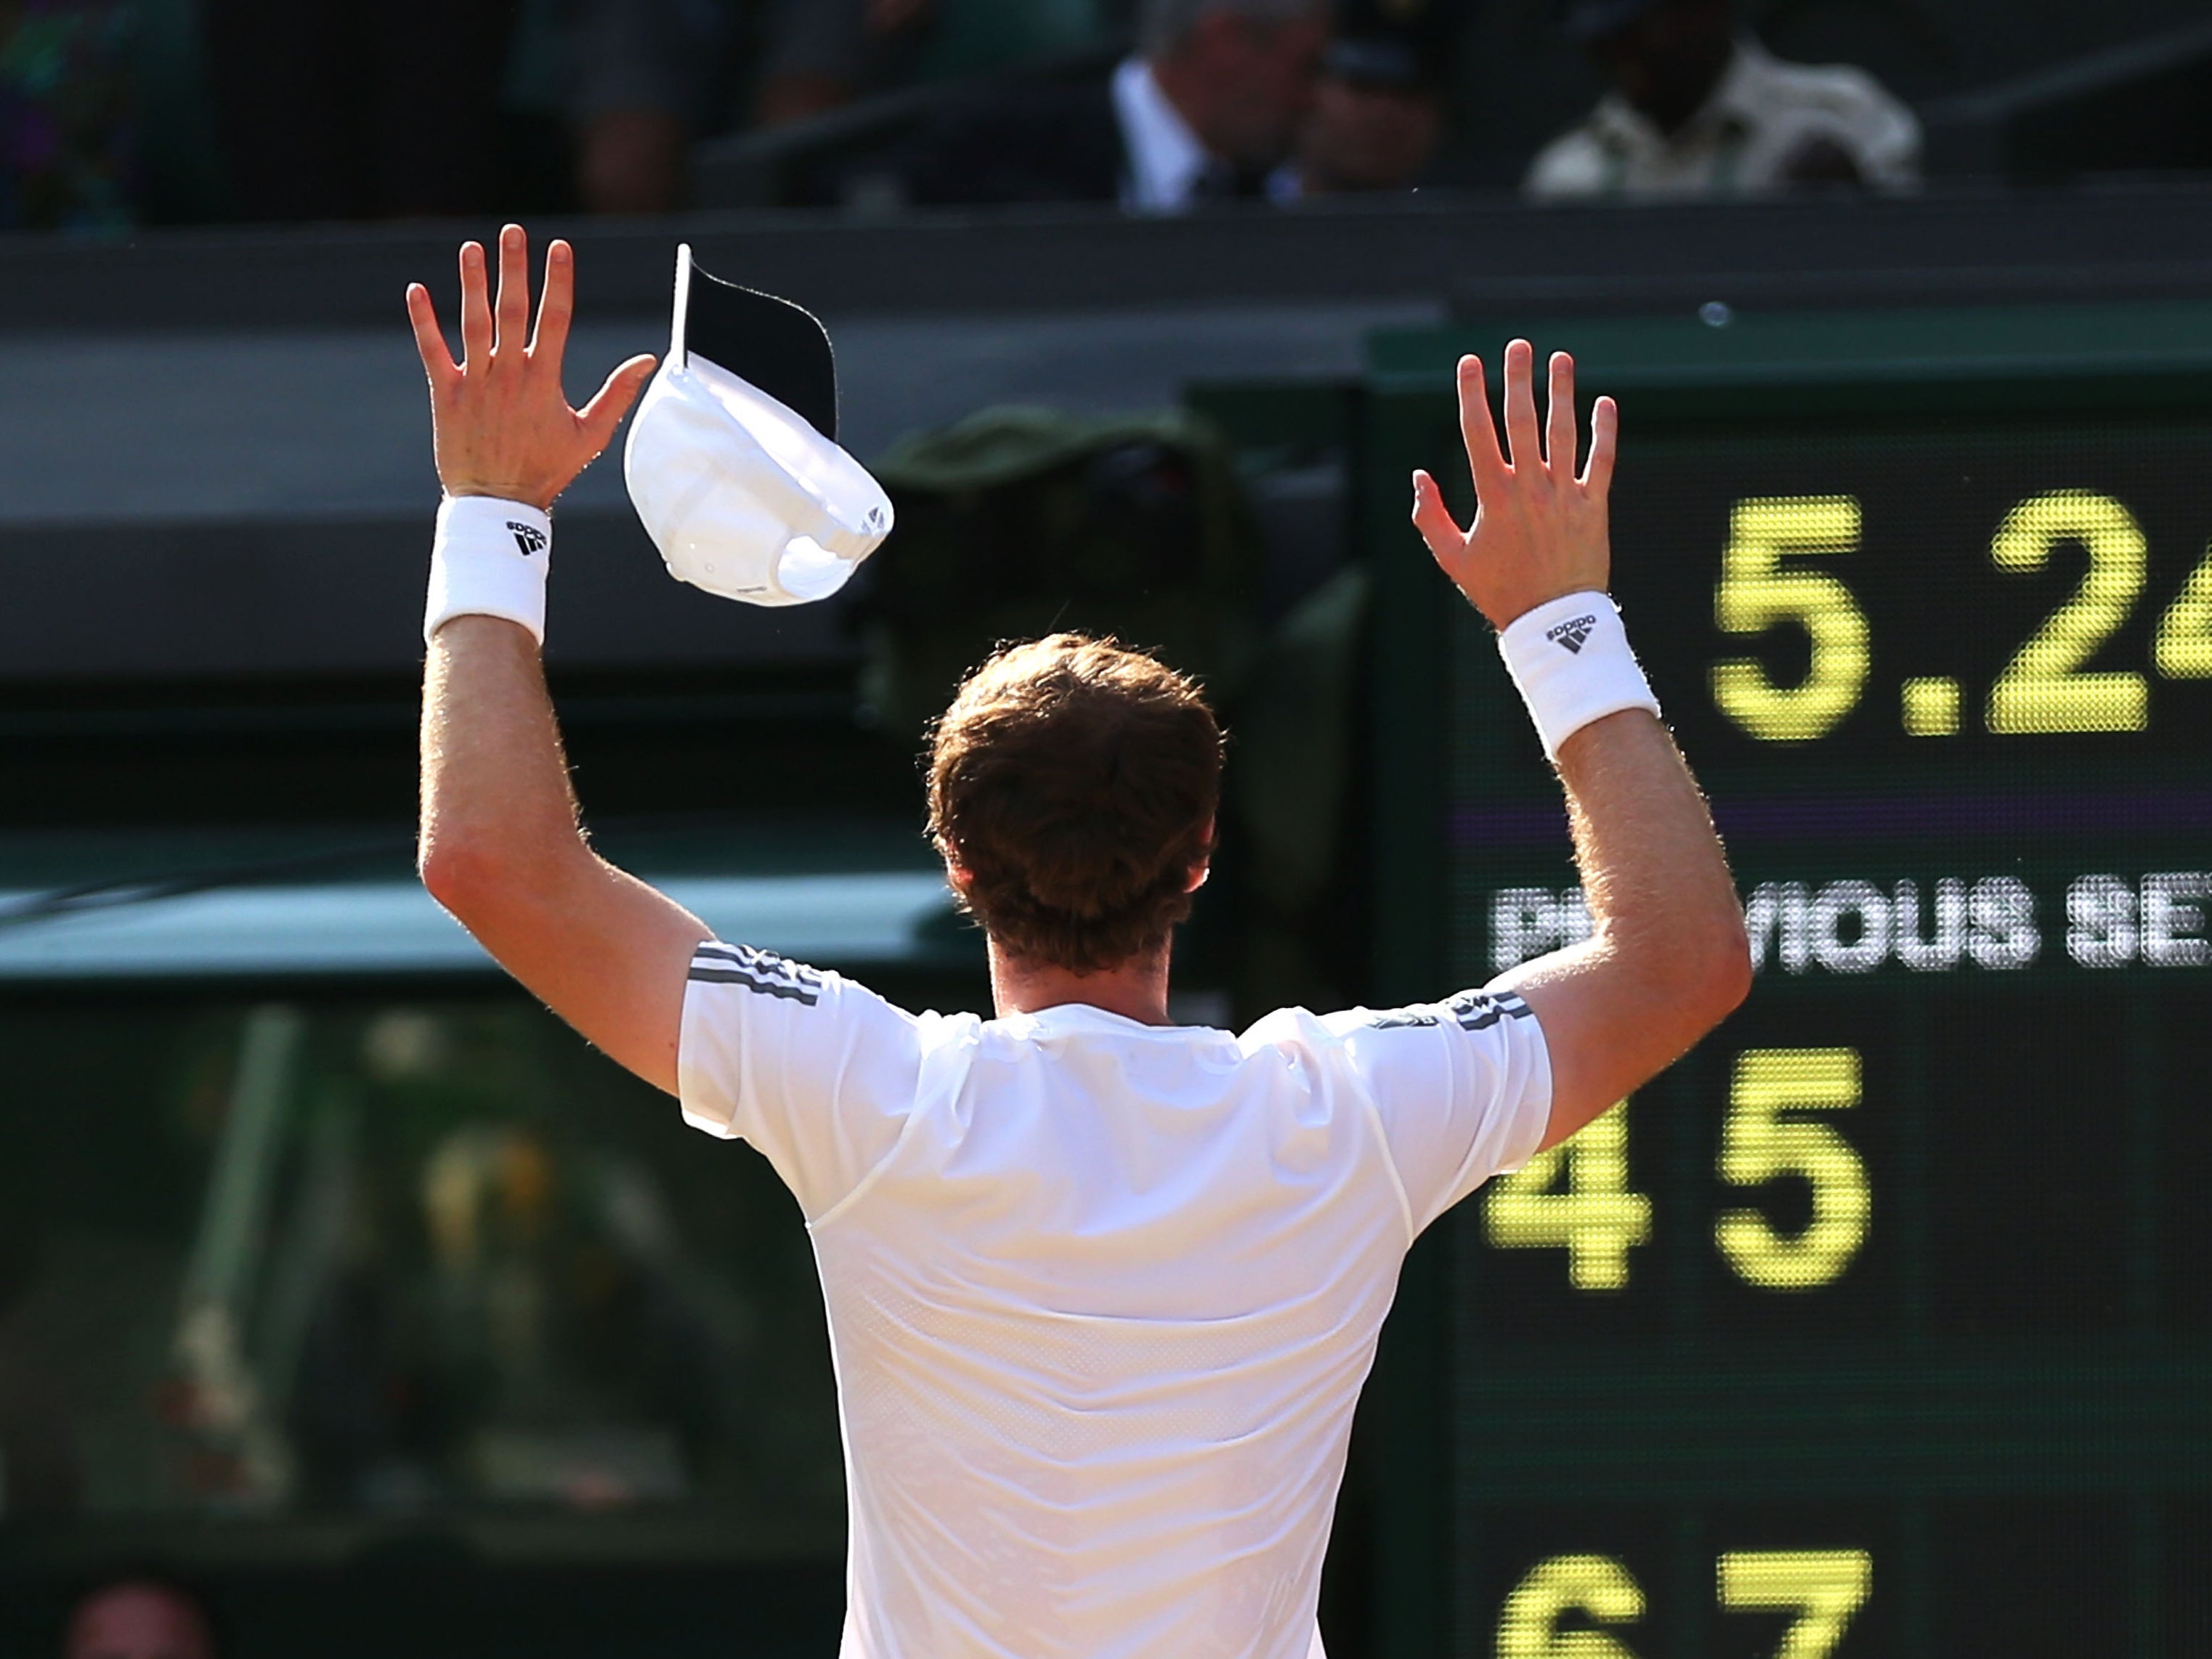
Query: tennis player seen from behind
(1101,1289)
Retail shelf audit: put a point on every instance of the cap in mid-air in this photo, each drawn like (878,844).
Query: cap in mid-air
(732,460)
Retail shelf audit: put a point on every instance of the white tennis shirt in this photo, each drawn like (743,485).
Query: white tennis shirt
(1101,1295)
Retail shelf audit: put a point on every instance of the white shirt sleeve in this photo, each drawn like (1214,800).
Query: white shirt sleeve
(1463,1088)
(817,1072)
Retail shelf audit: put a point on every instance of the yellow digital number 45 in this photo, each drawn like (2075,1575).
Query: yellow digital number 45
(1759,1144)
(1594,1217)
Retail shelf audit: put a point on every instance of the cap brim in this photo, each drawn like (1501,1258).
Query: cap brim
(777,346)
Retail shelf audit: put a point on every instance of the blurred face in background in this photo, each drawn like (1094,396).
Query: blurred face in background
(1243,83)
(1361,135)
(138,1621)
(1667,60)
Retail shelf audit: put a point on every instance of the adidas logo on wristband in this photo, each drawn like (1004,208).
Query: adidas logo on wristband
(490,558)
(1573,635)
(1591,675)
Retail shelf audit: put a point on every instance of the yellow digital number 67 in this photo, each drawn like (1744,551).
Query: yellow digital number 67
(1823,1587)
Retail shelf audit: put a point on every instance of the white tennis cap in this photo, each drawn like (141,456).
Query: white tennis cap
(732,460)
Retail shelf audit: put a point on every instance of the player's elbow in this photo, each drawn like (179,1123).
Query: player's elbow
(1716,976)
(1732,970)
(488,879)
(1694,975)
(463,872)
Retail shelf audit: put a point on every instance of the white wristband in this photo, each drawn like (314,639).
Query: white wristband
(489,560)
(1572,661)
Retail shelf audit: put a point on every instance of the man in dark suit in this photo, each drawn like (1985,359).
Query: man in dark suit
(1378,108)
(1209,103)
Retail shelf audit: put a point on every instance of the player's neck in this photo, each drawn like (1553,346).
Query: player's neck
(1137,989)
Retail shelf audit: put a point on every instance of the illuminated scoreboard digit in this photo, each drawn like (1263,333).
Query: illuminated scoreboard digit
(1882,1324)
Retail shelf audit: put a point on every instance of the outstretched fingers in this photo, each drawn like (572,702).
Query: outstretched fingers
(513,307)
(1560,436)
(431,340)
(1445,539)
(1521,431)
(556,305)
(1605,437)
(476,310)
(599,417)
(1476,429)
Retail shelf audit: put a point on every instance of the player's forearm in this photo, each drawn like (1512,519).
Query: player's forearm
(502,851)
(1666,961)
(1662,902)
(496,806)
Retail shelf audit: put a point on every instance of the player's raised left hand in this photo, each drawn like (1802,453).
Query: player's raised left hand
(1540,530)
(502,422)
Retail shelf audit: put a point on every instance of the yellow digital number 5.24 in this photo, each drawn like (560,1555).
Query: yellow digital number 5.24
(2044,688)
(1756,592)
(2183,648)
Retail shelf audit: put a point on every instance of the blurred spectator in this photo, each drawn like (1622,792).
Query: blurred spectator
(821,53)
(1378,108)
(342,109)
(1698,109)
(654,76)
(650,77)
(67,115)
(828,51)
(139,1616)
(1208,106)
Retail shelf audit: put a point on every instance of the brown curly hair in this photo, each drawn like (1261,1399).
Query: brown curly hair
(1075,782)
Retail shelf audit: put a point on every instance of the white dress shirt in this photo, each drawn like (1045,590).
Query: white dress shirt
(1166,160)
(1761,118)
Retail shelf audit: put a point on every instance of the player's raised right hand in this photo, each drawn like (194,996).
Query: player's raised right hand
(503,423)
(1540,530)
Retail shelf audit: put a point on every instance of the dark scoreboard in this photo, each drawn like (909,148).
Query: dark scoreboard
(1882,1324)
